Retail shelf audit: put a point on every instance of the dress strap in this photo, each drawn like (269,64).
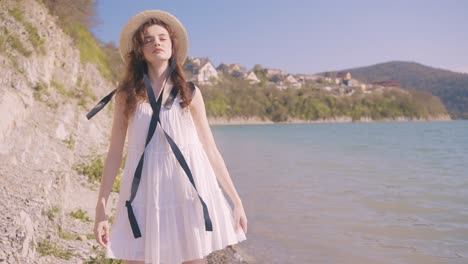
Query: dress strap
(137,176)
(175,91)
(178,154)
(104,101)
(168,104)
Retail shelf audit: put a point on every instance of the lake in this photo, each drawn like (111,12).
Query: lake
(391,192)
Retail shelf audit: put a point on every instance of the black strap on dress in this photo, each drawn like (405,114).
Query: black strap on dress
(178,154)
(156,106)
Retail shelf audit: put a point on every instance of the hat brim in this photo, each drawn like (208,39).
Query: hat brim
(125,42)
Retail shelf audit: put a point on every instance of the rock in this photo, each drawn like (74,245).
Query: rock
(61,132)
(28,240)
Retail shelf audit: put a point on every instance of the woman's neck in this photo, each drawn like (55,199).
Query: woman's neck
(158,74)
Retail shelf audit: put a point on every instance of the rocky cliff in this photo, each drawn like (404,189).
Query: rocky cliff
(45,92)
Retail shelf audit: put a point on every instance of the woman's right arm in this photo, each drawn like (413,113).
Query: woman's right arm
(111,167)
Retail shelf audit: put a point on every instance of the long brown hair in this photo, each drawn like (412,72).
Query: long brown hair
(133,85)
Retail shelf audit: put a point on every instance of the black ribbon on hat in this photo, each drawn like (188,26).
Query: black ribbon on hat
(156,106)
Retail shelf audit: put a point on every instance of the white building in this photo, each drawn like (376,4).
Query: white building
(206,73)
(200,70)
(252,77)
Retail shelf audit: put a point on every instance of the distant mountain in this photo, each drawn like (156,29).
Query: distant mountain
(451,87)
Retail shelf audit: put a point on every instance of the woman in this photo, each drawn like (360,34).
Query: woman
(175,214)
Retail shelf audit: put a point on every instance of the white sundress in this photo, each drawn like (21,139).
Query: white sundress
(166,206)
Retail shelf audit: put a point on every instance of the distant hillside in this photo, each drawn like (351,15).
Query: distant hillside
(237,100)
(451,87)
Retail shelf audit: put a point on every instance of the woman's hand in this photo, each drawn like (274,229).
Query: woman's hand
(101,228)
(240,219)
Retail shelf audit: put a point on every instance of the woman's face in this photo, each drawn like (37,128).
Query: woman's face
(157,45)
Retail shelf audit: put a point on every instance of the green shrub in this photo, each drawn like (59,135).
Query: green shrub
(47,248)
(33,35)
(101,258)
(116,184)
(40,89)
(60,88)
(90,51)
(84,95)
(3,40)
(80,215)
(70,142)
(111,218)
(76,17)
(66,235)
(17,45)
(52,212)
(94,170)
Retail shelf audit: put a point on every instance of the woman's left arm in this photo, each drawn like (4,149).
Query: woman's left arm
(197,108)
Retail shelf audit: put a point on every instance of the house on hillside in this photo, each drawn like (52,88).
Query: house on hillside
(223,68)
(252,78)
(206,73)
(307,77)
(200,70)
(350,82)
(285,81)
(272,72)
(344,78)
(233,70)
(292,81)
(344,75)
(276,79)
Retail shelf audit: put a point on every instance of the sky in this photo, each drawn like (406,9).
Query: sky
(301,36)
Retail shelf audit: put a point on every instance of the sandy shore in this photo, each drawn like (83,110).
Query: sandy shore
(340,119)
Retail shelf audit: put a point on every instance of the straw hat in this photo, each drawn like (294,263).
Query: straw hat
(125,43)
